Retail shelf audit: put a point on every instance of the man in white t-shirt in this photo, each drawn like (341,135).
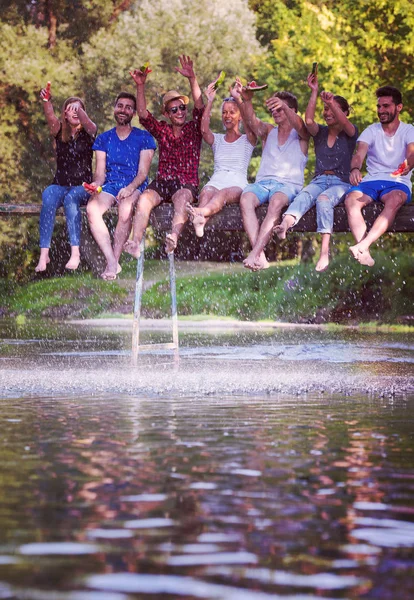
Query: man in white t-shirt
(389,149)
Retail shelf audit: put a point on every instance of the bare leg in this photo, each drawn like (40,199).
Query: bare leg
(254,261)
(124,224)
(212,201)
(147,201)
(74,260)
(44,260)
(180,200)
(248,204)
(354,203)
(281,230)
(96,208)
(323,261)
(196,214)
(393,201)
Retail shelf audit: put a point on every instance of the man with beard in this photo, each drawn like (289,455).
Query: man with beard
(389,149)
(123,159)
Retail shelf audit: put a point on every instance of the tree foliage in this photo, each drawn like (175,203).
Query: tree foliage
(87,47)
(359,46)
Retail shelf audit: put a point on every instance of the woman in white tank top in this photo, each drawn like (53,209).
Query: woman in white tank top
(232,152)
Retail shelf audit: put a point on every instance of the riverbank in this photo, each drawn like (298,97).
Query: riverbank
(287,292)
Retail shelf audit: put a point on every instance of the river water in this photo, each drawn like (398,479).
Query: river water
(260,465)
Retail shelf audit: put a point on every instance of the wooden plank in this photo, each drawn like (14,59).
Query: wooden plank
(229,219)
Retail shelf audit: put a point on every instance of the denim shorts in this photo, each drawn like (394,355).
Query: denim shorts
(265,189)
(377,188)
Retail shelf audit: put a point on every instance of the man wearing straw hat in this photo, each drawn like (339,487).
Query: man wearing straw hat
(179,145)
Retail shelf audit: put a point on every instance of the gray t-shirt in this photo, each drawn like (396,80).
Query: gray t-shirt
(337,158)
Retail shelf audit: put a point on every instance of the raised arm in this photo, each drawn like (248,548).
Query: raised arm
(187,70)
(88,125)
(357,161)
(52,121)
(207,134)
(250,120)
(310,123)
(140,78)
(295,120)
(236,93)
(347,127)
(145,158)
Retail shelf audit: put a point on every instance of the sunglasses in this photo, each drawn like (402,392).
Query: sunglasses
(174,110)
(231,99)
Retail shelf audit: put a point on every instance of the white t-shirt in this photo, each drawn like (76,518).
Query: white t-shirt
(386,153)
(284,163)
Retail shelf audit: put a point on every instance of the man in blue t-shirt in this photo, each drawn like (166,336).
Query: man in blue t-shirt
(123,159)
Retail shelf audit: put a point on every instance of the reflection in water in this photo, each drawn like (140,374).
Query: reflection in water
(224,497)
(219,478)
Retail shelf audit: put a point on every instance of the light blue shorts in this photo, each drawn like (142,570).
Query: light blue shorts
(265,189)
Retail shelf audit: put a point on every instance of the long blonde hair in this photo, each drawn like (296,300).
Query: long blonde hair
(66,130)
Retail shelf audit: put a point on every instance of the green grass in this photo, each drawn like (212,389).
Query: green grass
(346,293)
(297,293)
(81,296)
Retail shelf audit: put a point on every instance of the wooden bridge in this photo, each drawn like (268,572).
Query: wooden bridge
(229,219)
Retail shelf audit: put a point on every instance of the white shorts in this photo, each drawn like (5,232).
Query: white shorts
(226,179)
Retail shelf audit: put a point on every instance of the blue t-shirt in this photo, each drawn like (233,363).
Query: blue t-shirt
(122,156)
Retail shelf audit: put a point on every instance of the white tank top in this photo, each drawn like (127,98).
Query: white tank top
(233,156)
(285,163)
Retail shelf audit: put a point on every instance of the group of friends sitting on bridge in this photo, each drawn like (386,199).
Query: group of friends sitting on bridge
(124,154)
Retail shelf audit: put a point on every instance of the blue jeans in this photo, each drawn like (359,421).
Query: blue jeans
(329,186)
(71,198)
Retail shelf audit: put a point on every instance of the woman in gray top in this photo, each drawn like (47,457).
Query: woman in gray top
(334,145)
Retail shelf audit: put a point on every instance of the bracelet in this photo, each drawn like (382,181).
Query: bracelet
(353,169)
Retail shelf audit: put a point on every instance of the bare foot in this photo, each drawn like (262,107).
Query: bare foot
(362,255)
(198,220)
(354,251)
(250,261)
(42,264)
(133,248)
(283,227)
(256,263)
(322,264)
(262,262)
(365,258)
(170,242)
(73,262)
(110,272)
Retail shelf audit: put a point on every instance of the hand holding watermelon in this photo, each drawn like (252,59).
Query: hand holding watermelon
(92,188)
(45,92)
(254,87)
(220,79)
(401,169)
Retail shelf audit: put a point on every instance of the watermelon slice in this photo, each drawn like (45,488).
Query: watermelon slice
(92,188)
(401,168)
(47,94)
(220,79)
(254,87)
(145,68)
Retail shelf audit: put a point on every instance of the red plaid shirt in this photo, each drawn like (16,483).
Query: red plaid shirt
(178,157)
